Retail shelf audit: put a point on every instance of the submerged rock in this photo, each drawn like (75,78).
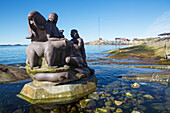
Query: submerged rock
(118,103)
(112,98)
(135,85)
(107,95)
(18,111)
(73,110)
(148,96)
(100,102)
(94,96)
(143,108)
(129,94)
(134,111)
(115,92)
(102,110)
(109,103)
(111,108)
(126,106)
(87,103)
(119,110)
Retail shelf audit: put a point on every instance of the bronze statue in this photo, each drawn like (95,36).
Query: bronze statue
(48,43)
(57,66)
(78,43)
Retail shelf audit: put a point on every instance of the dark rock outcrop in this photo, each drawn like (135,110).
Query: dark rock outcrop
(10,74)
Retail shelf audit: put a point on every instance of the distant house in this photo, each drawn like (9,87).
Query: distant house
(121,39)
(117,39)
(164,35)
(135,39)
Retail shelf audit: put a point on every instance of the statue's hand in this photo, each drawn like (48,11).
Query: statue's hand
(76,46)
(68,43)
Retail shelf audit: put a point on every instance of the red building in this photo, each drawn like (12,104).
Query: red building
(100,38)
(121,39)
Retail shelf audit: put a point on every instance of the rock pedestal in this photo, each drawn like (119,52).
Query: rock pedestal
(57,84)
(60,94)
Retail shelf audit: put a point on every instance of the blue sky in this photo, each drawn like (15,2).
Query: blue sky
(118,18)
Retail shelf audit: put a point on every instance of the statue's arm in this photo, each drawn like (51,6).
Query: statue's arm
(58,33)
(31,25)
(49,32)
(39,26)
(81,43)
(81,47)
(52,34)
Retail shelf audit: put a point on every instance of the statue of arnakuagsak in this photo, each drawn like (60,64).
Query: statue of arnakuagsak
(57,66)
(50,50)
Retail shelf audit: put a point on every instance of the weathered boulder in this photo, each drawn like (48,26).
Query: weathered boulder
(10,74)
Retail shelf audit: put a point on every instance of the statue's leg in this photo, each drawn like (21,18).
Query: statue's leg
(30,32)
(49,54)
(74,61)
(31,58)
(63,56)
(53,57)
(27,62)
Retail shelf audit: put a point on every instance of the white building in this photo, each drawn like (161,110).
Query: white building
(162,35)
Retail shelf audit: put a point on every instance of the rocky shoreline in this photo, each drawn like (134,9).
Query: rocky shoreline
(151,51)
(11,74)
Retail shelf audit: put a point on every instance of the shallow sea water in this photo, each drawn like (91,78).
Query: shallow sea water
(110,88)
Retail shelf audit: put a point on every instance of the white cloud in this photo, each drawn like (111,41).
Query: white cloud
(160,25)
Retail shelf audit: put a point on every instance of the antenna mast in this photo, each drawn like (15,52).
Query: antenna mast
(99,26)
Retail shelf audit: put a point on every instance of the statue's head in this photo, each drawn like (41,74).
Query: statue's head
(53,17)
(36,17)
(32,14)
(74,33)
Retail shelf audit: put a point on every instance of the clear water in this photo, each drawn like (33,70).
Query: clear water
(109,87)
(16,54)
(12,54)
